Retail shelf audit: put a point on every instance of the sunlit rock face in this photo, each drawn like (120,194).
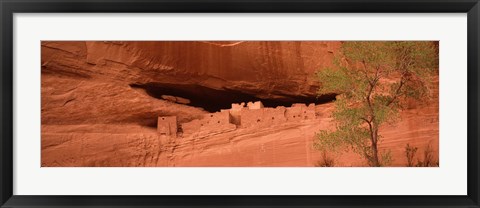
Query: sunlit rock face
(101,101)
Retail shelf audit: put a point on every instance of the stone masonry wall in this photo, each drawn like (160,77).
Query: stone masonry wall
(211,122)
(167,126)
(252,115)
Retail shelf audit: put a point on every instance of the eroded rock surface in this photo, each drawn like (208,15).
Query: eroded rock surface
(101,101)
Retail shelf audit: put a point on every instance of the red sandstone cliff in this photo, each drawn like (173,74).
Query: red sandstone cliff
(99,106)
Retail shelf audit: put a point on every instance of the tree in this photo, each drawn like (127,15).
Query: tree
(373,80)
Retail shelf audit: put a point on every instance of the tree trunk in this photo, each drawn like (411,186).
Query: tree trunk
(375,161)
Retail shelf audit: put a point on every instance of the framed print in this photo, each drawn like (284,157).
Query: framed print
(246,104)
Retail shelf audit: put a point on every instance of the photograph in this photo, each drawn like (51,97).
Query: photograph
(240,103)
(271,103)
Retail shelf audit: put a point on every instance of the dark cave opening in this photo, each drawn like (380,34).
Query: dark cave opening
(213,100)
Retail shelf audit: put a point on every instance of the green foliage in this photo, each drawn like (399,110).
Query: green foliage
(372,80)
(386,158)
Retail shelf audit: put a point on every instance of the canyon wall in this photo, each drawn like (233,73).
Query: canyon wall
(101,101)
(101,75)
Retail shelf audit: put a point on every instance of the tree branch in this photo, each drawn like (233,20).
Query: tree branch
(397,91)
(370,91)
(406,62)
(365,72)
(366,120)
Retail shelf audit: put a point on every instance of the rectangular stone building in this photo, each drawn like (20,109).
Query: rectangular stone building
(262,117)
(212,122)
(167,125)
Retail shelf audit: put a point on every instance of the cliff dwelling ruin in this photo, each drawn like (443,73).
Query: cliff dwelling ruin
(252,114)
(203,104)
(200,96)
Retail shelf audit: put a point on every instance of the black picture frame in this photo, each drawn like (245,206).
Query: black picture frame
(9,7)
